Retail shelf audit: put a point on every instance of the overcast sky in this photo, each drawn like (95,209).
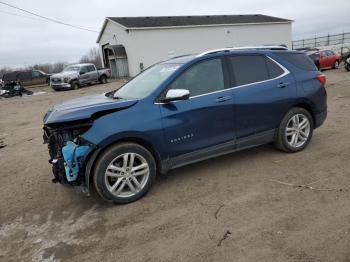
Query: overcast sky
(28,40)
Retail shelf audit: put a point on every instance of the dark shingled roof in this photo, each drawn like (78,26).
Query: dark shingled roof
(166,21)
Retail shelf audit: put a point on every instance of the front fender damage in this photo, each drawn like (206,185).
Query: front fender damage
(69,154)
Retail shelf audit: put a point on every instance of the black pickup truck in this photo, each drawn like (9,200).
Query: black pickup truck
(27,78)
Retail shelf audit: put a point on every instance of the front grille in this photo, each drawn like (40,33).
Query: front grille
(56,80)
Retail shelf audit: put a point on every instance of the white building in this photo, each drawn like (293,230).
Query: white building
(131,44)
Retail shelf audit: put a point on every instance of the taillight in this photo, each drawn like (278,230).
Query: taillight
(322,78)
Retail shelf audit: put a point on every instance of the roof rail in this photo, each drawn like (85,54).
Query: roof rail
(267,47)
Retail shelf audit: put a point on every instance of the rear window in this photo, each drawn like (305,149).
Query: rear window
(299,60)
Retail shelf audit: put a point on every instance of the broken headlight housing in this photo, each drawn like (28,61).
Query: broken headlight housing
(68,151)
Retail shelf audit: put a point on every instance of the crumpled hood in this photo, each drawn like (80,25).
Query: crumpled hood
(70,74)
(84,107)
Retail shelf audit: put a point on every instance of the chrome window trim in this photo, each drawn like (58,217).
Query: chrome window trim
(285,72)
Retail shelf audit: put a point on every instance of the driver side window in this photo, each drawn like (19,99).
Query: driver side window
(202,78)
(84,70)
(36,74)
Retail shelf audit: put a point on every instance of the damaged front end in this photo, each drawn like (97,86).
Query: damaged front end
(69,153)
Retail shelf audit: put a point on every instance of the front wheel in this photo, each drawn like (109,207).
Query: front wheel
(295,131)
(124,173)
(74,85)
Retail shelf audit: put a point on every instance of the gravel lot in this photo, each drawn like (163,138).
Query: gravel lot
(245,206)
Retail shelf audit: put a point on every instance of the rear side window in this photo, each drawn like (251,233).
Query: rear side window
(91,68)
(299,60)
(249,69)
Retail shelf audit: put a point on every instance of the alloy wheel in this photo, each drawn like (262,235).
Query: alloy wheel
(297,130)
(127,175)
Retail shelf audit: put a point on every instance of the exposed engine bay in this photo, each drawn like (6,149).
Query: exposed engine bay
(68,152)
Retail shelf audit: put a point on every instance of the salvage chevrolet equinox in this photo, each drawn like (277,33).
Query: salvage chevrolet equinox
(181,111)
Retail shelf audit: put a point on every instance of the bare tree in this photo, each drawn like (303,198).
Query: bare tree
(93,57)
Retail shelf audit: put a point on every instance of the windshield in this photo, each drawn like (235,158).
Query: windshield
(146,82)
(71,68)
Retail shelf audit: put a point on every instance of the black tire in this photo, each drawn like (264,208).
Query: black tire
(347,67)
(107,157)
(74,85)
(103,79)
(336,64)
(281,140)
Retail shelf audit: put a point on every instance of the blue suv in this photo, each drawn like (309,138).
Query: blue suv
(181,111)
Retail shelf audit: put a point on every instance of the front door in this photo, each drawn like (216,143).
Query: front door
(84,76)
(204,121)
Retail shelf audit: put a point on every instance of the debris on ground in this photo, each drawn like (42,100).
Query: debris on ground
(13,89)
(308,186)
(2,144)
(224,237)
(217,211)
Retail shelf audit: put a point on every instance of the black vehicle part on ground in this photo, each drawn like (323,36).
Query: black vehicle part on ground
(14,89)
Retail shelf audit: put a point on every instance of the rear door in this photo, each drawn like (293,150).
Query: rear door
(206,119)
(264,90)
(38,78)
(93,74)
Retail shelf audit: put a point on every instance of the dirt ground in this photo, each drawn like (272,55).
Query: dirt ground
(245,206)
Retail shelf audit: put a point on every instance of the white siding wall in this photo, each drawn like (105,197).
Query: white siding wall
(154,45)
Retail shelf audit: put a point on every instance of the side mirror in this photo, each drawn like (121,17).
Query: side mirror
(176,95)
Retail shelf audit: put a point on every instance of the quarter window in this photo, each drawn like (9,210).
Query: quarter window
(249,69)
(202,78)
(274,69)
(300,60)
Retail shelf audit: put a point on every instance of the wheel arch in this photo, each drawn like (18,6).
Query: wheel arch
(93,157)
(307,106)
(103,75)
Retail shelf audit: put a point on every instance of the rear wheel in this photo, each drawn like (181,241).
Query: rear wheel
(295,131)
(124,173)
(103,79)
(336,64)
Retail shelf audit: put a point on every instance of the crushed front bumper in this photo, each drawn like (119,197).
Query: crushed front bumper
(68,156)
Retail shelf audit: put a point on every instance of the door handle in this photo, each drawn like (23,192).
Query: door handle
(222,99)
(282,85)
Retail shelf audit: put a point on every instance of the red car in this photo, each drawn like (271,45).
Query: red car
(325,59)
